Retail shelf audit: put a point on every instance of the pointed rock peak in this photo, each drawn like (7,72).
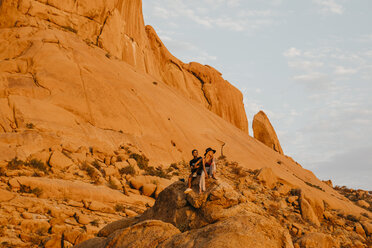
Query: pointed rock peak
(265,133)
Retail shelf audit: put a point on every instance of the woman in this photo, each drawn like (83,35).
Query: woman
(209,168)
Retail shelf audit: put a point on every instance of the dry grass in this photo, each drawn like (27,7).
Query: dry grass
(119,208)
(238,170)
(112,185)
(91,172)
(157,172)
(95,223)
(15,164)
(96,165)
(37,164)
(30,126)
(67,28)
(142,160)
(128,170)
(27,189)
(314,186)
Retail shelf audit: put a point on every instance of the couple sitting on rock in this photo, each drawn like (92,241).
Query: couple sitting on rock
(202,167)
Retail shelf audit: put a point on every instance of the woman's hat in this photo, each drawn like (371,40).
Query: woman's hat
(208,150)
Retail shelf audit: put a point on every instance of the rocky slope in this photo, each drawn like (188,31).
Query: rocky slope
(80,103)
(59,196)
(243,208)
(64,198)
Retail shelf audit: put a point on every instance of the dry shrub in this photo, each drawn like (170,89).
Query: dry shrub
(92,173)
(95,223)
(157,172)
(27,189)
(239,171)
(127,170)
(37,164)
(15,164)
(273,210)
(119,208)
(142,160)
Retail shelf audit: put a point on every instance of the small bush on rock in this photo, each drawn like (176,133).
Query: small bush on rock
(239,171)
(27,189)
(2,171)
(30,126)
(128,170)
(15,164)
(37,164)
(95,223)
(157,172)
(174,166)
(119,208)
(142,160)
(365,215)
(96,165)
(112,185)
(352,218)
(90,171)
(314,186)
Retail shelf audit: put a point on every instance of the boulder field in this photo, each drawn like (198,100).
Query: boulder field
(97,118)
(237,210)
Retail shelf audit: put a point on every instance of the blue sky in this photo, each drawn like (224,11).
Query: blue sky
(306,63)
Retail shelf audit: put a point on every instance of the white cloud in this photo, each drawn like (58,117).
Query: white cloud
(314,81)
(330,6)
(364,38)
(204,58)
(368,53)
(305,64)
(292,52)
(340,70)
(161,12)
(310,77)
(324,65)
(208,14)
(255,13)
(176,45)
(229,3)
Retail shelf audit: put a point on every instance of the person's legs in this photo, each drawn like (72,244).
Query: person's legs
(202,182)
(189,181)
(213,170)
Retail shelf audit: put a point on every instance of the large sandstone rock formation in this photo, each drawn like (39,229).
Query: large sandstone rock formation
(67,76)
(264,132)
(73,89)
(118,27)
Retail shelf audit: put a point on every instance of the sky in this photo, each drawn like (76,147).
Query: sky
(306,63)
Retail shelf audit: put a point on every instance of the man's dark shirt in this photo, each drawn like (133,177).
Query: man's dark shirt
(193,165)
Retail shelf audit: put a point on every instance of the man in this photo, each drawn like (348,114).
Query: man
(196,165)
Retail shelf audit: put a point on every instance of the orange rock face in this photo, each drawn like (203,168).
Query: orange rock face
(81,79)
(203,84)
(118,27)
(264,132)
